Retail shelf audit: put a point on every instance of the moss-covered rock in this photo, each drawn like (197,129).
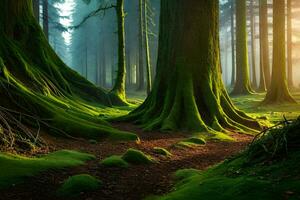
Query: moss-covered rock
(115,161)
(77,184)
(190,142)
(137,157)
(162,151)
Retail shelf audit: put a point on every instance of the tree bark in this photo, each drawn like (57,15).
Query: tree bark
(289,44)
(36,9)
(232,42)
(146,40)
(242,84)
(118,93)
(188,92)
(46,18)
(278,92)
(253,46)
(265,78)
(141,71)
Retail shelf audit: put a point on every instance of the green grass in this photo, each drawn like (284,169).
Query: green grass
(137,157)
(162,151)
(115,161)
(77,184)
(14,169)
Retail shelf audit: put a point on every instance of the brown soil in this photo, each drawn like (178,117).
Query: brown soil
(134,183)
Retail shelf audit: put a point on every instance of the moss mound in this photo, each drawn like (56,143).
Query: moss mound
(137,157)
(14,168)
(191,142)
(77,184)
(254,174)
(162,151)
(115,161)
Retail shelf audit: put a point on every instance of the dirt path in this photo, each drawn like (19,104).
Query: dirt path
(134,183)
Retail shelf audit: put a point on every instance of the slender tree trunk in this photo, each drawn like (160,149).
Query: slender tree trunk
(141,71)
(45,18)
(146,40)
(36,9)
(188,91)
(242,84)
(253,46)
(118,93)
(232,43)
(289,44)
(264,82)
(103,63)
(279,92)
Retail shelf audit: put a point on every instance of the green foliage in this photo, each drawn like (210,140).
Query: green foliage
(137,157)
(115,161)
(14,168)
(77,184)
(162,151)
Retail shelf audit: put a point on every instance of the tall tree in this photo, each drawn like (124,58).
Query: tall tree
(278,91)
(289,44)
(232,26)
(141,71)
(253,46)
(46,18)
(118,93)
(242,84)
(188,91)
(146,40)
(36,9)
(265,78)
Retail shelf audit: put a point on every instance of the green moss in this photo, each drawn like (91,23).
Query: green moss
(137,157)
(14,168)
(162,151)
(191,142)
(75,185)
(115,161)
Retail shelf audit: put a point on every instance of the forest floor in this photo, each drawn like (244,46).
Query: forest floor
(140,181)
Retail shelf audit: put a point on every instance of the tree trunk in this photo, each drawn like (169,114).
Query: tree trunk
(118,93)
(141,71)
(46,18)
(232,42)
(242,84)
(146,40)
(278,92)
(188,92)
(36,9)
(264,82)
(289,44)
(253,46)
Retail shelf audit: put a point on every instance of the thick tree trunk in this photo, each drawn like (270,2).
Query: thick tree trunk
(232,42)
(141,71)
(45,18)
(265,78)
(278,91)
(253,46)
(242,84)
(289,44)
(188,92)
(146,40)
(118,93)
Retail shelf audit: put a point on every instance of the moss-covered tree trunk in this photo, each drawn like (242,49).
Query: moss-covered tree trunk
(242,84)
(36,9)
(232,11)
(278,91)
(289,45)
(118,93)
(46,18)
(265,78)
(188,92)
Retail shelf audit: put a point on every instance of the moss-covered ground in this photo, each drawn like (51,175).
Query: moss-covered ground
(14,169)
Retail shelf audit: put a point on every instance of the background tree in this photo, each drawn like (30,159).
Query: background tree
(188,92)
(232,30)
(242,84)
(289,45)
(278,91)
(253,45)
